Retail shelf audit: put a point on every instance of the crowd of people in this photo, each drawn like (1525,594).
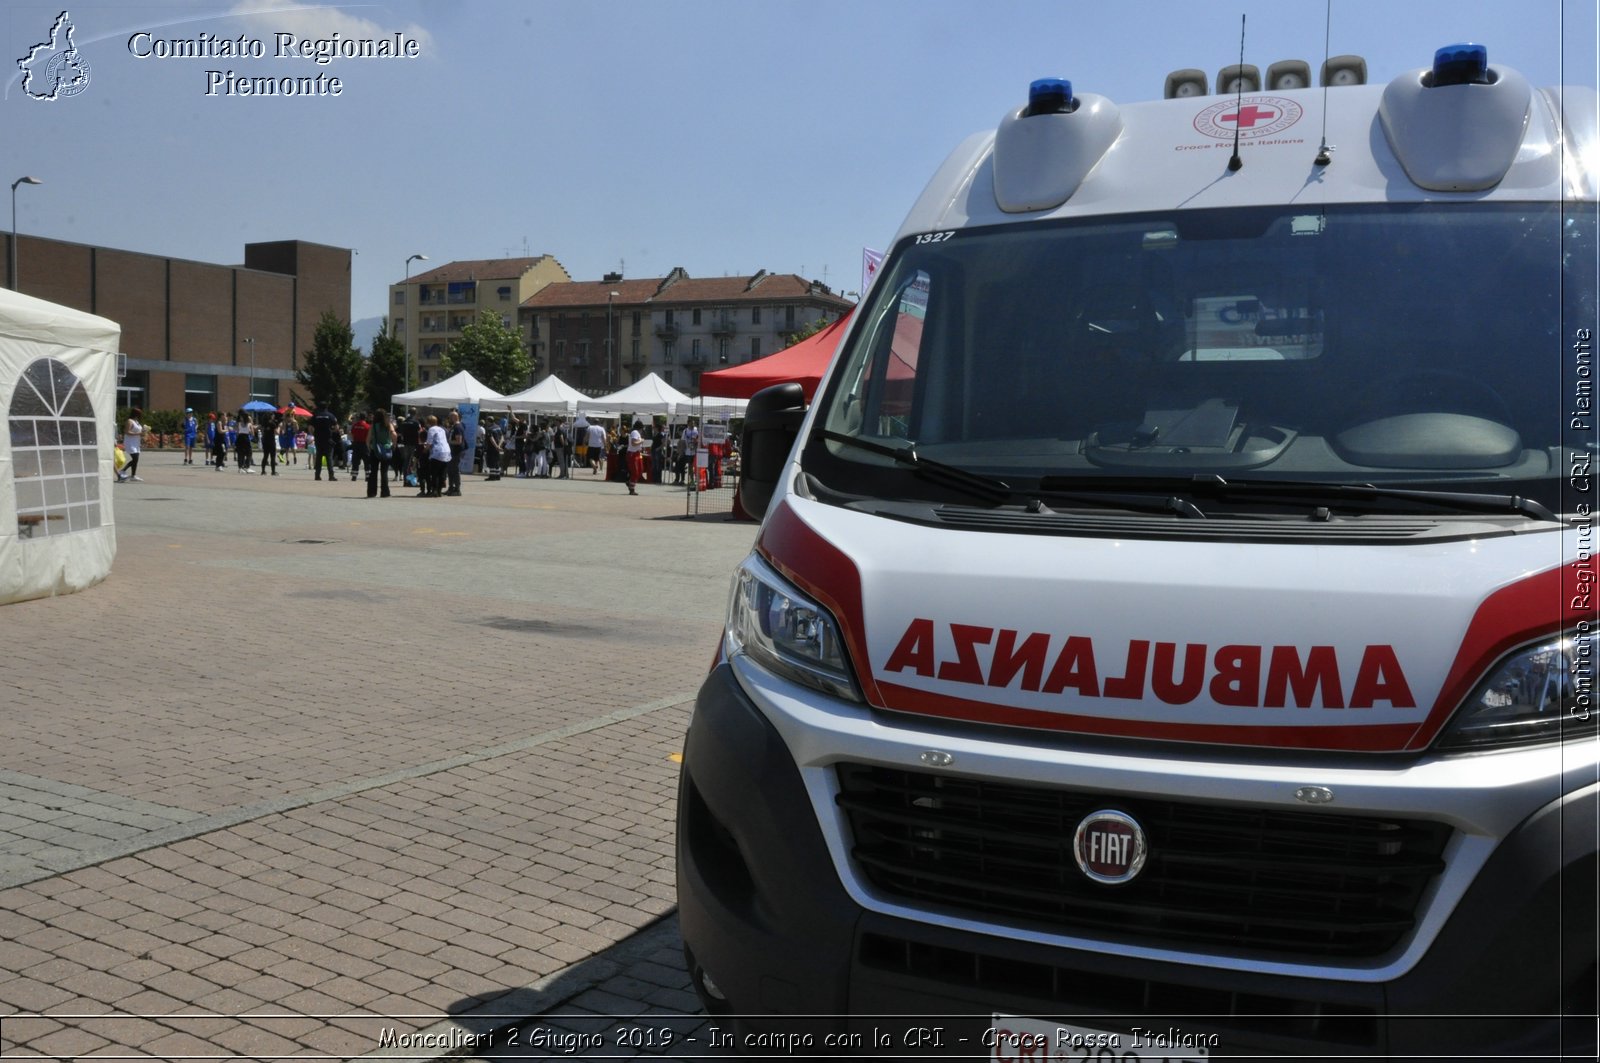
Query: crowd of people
(426,452)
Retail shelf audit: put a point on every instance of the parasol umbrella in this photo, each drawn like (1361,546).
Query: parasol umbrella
(297,411)
(257,406)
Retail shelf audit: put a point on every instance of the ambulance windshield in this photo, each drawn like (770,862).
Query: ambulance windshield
(1417,344)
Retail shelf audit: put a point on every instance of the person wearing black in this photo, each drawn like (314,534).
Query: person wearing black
(270,427)
(563,445)
(412,461)
(322,431)
(242,440)
(457,435)
(494,450)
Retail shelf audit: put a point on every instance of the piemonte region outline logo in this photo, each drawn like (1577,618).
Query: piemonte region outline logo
(55,69)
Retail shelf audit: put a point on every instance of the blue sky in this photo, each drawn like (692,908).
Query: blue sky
(723,136)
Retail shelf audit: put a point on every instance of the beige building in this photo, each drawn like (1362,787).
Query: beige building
(603,335)
(428,311)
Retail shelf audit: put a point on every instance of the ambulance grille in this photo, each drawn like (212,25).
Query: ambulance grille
(1296,883)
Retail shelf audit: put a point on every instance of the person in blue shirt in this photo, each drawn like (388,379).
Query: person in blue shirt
(191,432)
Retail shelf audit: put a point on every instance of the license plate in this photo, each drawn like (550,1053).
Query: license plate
(1015,1039)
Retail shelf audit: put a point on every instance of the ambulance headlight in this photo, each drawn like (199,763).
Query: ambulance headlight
(785,632)
(1542,694)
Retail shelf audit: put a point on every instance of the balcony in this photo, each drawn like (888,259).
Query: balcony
(723,326)
(667,331)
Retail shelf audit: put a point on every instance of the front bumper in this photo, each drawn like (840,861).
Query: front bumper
(765,913)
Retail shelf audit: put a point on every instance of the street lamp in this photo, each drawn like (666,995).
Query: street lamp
(611,346)
(413,258)
(12,275)
(252,388)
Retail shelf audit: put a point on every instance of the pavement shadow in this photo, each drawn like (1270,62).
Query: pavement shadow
(499,1025)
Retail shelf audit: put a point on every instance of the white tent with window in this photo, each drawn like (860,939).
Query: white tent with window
(58,380)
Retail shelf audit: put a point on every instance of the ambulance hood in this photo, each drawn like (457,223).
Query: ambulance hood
(1326,647)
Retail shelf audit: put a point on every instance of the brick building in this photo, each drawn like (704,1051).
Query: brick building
(196,333)
(604,335)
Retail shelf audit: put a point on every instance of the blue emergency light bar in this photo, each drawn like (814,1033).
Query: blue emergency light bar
(1461,64)
(1050,96)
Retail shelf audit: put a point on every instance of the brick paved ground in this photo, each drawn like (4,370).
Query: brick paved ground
(313,774)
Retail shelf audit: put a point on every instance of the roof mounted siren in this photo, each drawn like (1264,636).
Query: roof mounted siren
(1288,74)
(1238,78)
(1051,96)
(1044,150)
(1459,64)
(1182,84)
(1458,126)
(1343,70)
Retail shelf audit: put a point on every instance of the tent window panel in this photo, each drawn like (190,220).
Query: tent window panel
(28,402)
(30,496)
(55,456)
(78,404)
(63,383)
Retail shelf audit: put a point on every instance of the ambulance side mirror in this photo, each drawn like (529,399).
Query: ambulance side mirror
(771,423)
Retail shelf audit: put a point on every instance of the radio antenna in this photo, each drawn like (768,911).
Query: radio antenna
(1324,155)
(1236,162)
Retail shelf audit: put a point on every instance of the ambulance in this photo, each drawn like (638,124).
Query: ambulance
(1172,630)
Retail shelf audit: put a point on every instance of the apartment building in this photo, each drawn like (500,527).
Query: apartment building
(196,334)
(428,311)
(603,335)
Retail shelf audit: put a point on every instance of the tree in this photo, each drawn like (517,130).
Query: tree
(332,368)
(806,331)
(492,353)
(387,371)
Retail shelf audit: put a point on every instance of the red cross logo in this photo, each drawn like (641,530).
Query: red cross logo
(1247,117)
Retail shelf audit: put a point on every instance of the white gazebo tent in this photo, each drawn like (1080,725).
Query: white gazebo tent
(649,395)
(550,395)
(463,387)
(58,379)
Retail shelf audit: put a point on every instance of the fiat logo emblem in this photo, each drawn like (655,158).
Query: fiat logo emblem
(1109,847)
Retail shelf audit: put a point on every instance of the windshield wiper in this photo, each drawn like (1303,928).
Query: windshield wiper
(1210,483)
(976,485)
(1312,492)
